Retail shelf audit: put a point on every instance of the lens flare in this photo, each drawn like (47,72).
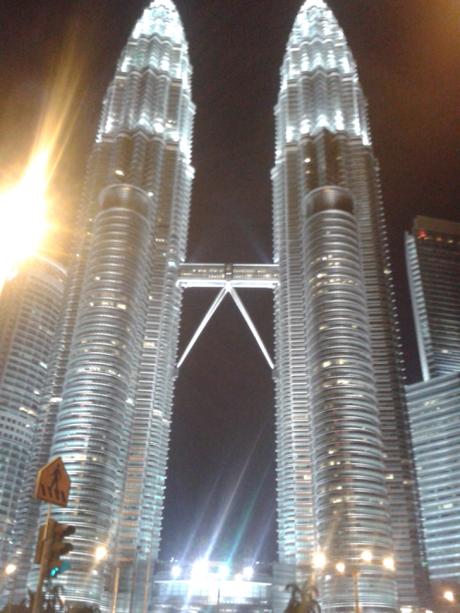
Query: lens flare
(25,201)
(23,222)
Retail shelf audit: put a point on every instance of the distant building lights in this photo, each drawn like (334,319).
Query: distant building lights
(339,122)
(176,571)
(248,573)
(224,571)
(200,570)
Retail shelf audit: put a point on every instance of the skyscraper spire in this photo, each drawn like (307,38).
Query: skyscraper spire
(322,140)
(331,96)
(160,17)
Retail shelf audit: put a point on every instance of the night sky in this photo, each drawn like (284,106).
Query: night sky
(221,483)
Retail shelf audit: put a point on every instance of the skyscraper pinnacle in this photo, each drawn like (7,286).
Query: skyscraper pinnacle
(317,52)
(311,3)
(315,19)
(160,17)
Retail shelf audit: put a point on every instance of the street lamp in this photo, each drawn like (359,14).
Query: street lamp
(319,560)
(367,557)
(389,563)
(10,569)
(100,553)
(449,596)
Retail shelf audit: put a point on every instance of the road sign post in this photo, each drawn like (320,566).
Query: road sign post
(52,486)
(44,561)
(53,483)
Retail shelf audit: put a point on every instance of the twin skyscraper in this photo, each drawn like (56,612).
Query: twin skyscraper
(344,477)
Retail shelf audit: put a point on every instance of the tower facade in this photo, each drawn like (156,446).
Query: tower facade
(107,411)
(433,267)
(434,416)
(324,376)
(29,308)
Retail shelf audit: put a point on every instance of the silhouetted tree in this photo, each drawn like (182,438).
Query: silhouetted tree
(303,600)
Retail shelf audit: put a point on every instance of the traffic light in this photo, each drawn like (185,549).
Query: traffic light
(59,548)
(40,544)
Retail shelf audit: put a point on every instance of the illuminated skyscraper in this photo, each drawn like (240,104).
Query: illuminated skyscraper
(434,413)
(29,308)
(433,266)
(108,405)
(343,472)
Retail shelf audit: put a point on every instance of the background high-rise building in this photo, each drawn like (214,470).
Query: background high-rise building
(322,138)
(434,413)
(107,410)
(29,308)
(433,266)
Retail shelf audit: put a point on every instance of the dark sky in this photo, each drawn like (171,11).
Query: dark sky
(221,475)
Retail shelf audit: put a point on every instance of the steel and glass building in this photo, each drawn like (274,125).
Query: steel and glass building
(434,412)
(341,431)
(107,410)
(30,304)
(433,267)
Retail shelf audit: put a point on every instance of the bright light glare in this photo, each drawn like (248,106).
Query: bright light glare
(449,596)
(319,560)
(23,216)
(224,571)
(367,556)
(340,567)
(10,569)
(200,570)
(389,563)
(100,553)
(176,571)
(248,573)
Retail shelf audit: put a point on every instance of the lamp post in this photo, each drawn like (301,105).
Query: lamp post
(366,558)
(100,553)
(449,597)
(10,571)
